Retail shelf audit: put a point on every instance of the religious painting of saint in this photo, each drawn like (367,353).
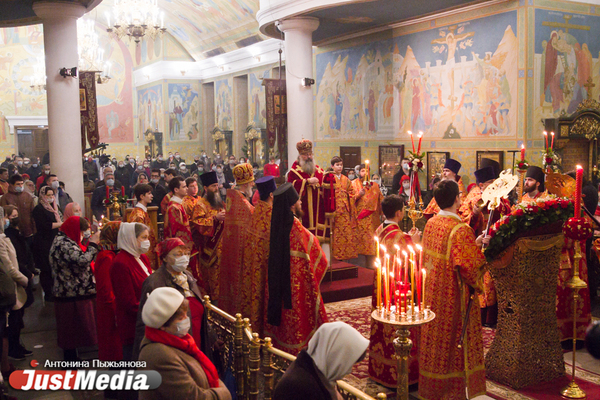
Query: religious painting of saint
(435,163)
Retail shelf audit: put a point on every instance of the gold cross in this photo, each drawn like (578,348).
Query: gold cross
(589,85)
(566,25)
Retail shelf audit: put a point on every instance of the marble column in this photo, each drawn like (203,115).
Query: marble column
(64,127)
(298,64)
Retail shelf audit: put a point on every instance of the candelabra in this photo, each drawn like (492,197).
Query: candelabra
(413,212)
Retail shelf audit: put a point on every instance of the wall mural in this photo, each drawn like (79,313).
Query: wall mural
(21,52)
(150,110)
(115,97)
(223,103)
(450,82)
(565,45)
(184,111)
(256,101)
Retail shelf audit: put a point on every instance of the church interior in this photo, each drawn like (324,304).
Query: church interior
(363,80)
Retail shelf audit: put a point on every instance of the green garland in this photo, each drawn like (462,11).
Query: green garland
(526,218)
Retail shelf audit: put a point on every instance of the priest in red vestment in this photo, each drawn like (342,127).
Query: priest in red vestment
(236,236)
(254,274)
(450,171)
(143,195)
(207,228)
(338,198)
(368,213)
(307,178)
(297,265)
(382,364)
(454,262)
(271,169)
(190,200)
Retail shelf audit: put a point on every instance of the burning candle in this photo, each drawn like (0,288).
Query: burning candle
(552,145)
(522,152)
(578,181)
(546,137)
(377,241)
(397,298)
(368,177)
(420,138)
(107,192)
(420,248)
(412,139)
(398,264)
(386,274)
(378,266)
(392,289)
(123,191)
(424,277)
(405,266)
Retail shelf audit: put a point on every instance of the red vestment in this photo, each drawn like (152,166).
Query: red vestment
(433,208)
(236,236)
(271,170)
(307,268)
(341,202)
(141,216)
(445,370)
(188,204)
(368,210)
(177,225)
(206,232)
(314,213)
(164,204)
(109,342)
(382,364)
(255,274)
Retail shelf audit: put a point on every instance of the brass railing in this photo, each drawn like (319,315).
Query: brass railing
(256,363)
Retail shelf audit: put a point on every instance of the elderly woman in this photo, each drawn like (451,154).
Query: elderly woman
(29,187)
(129,270)
(72,209)
(74,288)
(109,342)
(186,372)
(331,353)
(47,220)
(173,272)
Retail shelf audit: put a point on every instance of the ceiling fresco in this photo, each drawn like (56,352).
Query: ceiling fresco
(205,28)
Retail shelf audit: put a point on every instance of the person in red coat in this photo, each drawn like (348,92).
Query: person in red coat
(109,342)
(129,270)
(271,169)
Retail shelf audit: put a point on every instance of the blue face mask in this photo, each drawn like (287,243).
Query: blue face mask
(6,223)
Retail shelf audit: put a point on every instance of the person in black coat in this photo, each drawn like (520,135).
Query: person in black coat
(47,221)
(99,194)
(158,190)
(122,174)
(331,353)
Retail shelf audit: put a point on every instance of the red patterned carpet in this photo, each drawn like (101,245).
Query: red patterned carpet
(357,313)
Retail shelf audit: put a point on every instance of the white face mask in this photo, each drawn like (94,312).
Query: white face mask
(405,165)
(183,327)
(181,263)
(406,185)
(87,234)
(78,213)
(145,246)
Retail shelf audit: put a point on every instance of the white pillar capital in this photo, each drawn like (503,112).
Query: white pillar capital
(303,24)
(47,10)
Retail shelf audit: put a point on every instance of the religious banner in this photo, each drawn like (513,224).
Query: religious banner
(88,109)
(275,94)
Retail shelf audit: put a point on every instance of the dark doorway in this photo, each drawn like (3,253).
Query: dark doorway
(351,157)
(32,141)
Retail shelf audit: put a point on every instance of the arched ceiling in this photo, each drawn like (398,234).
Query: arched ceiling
(205,28)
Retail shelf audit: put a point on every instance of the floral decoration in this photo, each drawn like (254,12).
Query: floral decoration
(550,160)
(578,228)
(109,202)
(415,161)
(525,218)
(522,165)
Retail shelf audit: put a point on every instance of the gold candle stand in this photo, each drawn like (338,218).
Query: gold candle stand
(521,183)
(573,391)
(402,342)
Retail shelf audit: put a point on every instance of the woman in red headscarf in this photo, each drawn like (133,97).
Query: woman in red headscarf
(74,288)
(109,342)
(173,272)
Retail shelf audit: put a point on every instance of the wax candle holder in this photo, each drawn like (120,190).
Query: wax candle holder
(403,321)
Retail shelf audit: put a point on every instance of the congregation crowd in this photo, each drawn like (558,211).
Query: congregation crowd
(238,233)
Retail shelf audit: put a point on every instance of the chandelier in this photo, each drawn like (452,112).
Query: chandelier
(91,55)
(135,18)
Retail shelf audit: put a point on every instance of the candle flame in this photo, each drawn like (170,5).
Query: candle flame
(410,133)
(383,247)
(579,167)
(366,161)
(545,133)
(397,247)
(376,239)
(418,246)
(420,133)
(410,248)
(522,146)
(391,274)
(552,133)
(404,252)
(387,255)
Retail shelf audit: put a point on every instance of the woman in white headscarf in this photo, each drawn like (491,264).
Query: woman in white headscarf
(331,353)
(130,269)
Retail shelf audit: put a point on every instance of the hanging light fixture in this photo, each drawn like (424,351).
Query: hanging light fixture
(91,55)
(136,19)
